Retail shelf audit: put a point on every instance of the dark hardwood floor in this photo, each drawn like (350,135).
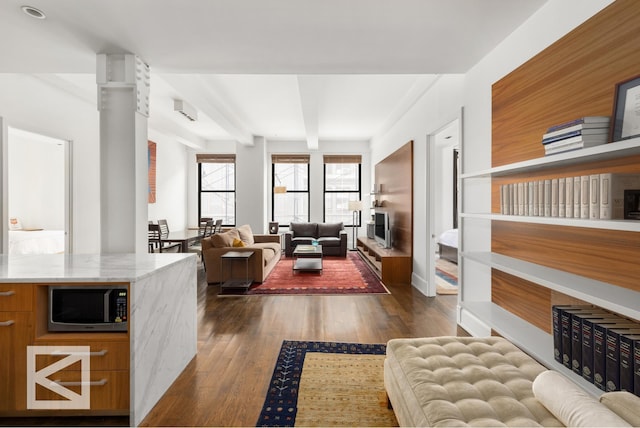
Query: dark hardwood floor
(239,339)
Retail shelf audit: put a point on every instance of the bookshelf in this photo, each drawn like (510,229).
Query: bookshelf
(510,282)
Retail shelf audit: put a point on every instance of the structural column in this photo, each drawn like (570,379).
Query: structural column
(123,102)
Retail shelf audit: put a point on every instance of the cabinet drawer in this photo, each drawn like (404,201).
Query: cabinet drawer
(104,355)
(109,390)
(16,297)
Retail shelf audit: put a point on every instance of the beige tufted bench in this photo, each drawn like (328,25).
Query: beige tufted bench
(463,381)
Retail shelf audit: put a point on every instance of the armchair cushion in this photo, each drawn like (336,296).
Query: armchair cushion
(246,234)
(329,230)
(308,230)
(225,239)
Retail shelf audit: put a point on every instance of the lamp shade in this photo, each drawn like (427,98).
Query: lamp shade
(355,205)
(280,189)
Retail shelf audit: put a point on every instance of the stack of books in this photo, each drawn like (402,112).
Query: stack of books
(587,131)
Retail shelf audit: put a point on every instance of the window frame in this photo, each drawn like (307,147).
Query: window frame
(202,160)
(325,192)
(273,185)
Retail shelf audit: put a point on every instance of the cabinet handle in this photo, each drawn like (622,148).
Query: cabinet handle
(6,323)
(7,293)
(100,382)
(101,353)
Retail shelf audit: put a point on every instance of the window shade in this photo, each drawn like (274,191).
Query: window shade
(215,158)
(342,158)
(289,158)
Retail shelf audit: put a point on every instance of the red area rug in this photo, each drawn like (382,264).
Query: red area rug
(339,275)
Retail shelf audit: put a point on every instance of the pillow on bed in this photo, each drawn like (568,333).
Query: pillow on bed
(14,224)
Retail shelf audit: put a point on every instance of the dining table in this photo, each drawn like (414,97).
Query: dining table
(185,238)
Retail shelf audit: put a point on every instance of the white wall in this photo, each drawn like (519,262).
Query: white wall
(31,104)
(439,106)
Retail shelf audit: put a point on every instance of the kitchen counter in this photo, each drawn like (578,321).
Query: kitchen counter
(162,309)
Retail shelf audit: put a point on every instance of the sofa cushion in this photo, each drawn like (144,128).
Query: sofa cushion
(269,250)
(329,241)
(304,229)
(624,404)
(329,229)
(246,234)
(224,239)
(571,404)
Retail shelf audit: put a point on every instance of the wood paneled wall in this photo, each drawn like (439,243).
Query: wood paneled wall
(574,77)
(394,176)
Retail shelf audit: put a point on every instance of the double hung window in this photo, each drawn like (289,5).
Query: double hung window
(290,191)
(217,187)
(341,185)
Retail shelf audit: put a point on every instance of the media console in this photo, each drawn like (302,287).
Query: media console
(393,267)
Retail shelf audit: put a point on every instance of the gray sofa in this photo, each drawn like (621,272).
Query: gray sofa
(331,236)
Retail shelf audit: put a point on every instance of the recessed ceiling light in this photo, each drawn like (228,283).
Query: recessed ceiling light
(33,12)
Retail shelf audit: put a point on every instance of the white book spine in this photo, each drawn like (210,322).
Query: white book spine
(547,198)
(534,192)
(502,199)
(554,197)
(512,200)
(584,196)
(540,197)
(562,189)
(612,187)
(576,196)
(521,198)
(526,198)
(594,196)
(568,197)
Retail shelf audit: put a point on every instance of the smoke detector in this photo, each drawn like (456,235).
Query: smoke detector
(185,109)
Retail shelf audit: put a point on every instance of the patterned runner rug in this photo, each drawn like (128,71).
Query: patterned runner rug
(339,275)
(327,384)
(446,277)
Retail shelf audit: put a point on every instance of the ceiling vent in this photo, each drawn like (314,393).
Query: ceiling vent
(187,110)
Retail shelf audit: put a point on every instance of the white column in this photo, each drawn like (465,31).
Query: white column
(123,102)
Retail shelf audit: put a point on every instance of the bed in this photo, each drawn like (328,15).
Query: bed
(448,245)
(36,241)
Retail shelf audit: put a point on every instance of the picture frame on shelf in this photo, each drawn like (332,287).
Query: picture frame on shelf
(626,110)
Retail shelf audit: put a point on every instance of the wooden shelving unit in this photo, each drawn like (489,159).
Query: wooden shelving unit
(393,267)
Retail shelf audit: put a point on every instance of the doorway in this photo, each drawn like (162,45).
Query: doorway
(443,165)
(38,196)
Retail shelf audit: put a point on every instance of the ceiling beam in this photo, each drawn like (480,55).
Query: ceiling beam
(191,88)
(310,90)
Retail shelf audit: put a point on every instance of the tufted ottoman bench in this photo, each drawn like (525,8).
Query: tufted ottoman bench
(463,381)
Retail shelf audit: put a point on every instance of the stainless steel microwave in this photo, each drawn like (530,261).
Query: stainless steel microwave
(88,308)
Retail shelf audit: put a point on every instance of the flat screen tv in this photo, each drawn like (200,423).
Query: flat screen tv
(382,229)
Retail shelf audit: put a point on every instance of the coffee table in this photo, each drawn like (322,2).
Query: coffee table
(307,258)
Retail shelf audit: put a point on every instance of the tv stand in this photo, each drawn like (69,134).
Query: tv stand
(393,267)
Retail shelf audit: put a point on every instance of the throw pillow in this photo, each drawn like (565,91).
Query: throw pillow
(571,404)
(238,243)
(225,239)
(329,230)
(246,234)
(624,404)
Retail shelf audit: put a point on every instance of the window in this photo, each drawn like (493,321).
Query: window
(217,187)
(341,185)
(290,194)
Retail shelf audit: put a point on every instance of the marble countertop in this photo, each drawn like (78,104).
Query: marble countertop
(84,267)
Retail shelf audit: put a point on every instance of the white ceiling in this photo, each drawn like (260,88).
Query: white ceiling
(283,69)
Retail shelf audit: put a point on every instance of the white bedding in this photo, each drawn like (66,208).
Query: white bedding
(449,237)
(36,241)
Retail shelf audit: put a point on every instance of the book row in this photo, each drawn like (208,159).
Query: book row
(598,345)
(596,196)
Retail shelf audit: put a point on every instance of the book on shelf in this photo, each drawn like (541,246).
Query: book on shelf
(636,368)
(568,197)
(566,314)
(588,326)
(612,187)
(554,197)
(562,188)
(586,140)
(576,196)
(628,343)
(612,371)
(572,144)
(577,318)
(600,350)
(594,196)
(532,198)
(603,120)
(572,131)
(547,198)
(540,184)
(584,196)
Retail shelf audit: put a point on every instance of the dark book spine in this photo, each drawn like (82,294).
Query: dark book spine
(627,344)
(557,335)
(599,355)
(565,330)
(587,349)
(612,361)
(636,368)
(576,343)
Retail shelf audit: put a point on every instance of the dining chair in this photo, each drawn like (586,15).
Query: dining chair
(155,241)
(207,231)
(164,228)
(217,227)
